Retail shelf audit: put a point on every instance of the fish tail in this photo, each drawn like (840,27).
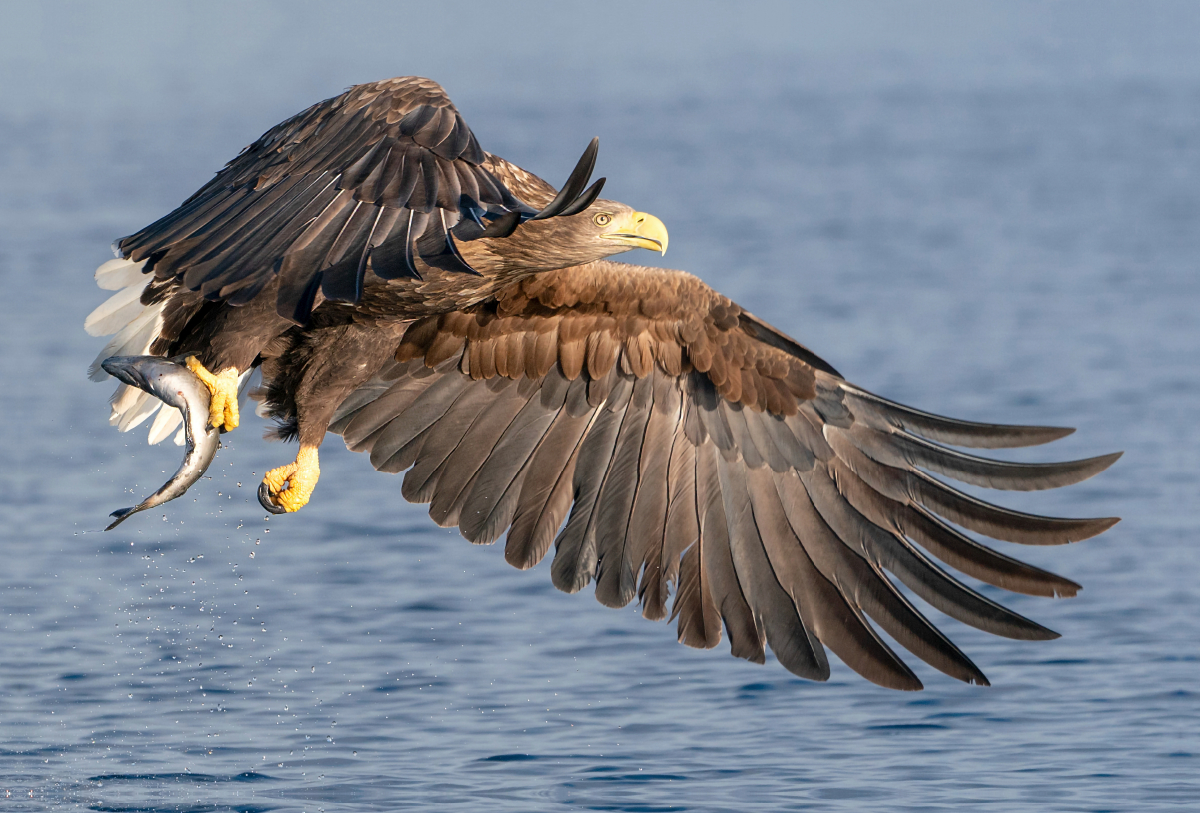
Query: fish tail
(121,515)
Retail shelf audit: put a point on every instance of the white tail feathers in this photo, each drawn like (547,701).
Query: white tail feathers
(132,340)
(168,421)
(136,327)
(131,406)
(117,274)
(116,312)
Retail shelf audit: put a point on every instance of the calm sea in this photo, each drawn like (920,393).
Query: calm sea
(988,211)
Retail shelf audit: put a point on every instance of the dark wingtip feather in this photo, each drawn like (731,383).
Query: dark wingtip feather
(1069,589)
(584,200)
(1002,523)
(898,676)
(974,559)
(1096,527)
(899,448)
(1054,432)
(883,413)
(574,185)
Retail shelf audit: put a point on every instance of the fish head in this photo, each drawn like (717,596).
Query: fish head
(164,378)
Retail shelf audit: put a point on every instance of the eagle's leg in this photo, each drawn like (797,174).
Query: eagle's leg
(223,398)
(301,478)
(226,339)
(313,376)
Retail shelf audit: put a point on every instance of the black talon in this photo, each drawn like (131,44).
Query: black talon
(264,499)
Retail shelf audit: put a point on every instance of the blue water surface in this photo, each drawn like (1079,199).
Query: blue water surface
(985,210)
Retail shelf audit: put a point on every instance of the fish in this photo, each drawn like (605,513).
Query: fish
(179,387)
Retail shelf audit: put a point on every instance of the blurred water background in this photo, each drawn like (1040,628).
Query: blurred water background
(987,210)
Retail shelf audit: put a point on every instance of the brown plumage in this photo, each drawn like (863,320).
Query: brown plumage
(451,315)
(380,177)
(383,188)
(382,185)
(667,442)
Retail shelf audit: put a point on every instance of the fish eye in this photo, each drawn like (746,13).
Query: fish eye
(602,219)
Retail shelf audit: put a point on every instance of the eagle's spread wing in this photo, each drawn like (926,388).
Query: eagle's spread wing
(689,447)
(384,172)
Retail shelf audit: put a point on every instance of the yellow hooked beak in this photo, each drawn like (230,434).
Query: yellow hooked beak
(638,230)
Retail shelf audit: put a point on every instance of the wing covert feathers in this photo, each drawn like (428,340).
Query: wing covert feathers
(643,426)
(373,178)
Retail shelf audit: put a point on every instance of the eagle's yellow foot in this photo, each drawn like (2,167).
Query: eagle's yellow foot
(223,399)
(301,478)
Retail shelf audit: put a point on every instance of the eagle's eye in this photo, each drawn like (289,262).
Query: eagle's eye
(602,219)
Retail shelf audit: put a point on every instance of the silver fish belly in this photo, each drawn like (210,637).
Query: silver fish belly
(177,386)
